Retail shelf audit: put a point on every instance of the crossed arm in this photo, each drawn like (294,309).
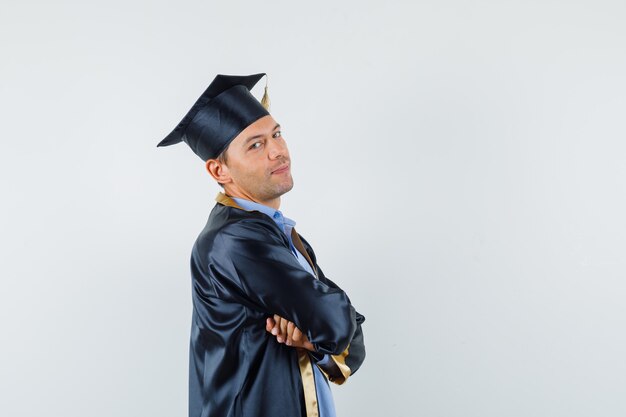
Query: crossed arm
(337,368)
(304,312)
(287,332)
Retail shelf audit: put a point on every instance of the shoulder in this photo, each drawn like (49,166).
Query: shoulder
(228,226)
(249,230)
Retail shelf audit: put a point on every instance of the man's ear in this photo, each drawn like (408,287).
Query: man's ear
(218,171)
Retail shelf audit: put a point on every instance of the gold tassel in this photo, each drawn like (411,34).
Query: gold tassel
(265,101)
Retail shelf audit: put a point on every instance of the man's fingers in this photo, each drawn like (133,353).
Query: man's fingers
(276,327)
(278,331)
(287,332)
(269,324)
(282,335)
(290,330)
(297,334)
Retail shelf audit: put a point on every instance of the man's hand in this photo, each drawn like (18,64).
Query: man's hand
(287,332)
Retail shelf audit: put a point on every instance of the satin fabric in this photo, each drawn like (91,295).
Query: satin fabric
(325,401)
(224,109)
(243,271)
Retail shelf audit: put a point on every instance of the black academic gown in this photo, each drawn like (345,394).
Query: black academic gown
(243,271)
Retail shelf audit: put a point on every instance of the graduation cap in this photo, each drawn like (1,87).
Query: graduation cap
(224,109)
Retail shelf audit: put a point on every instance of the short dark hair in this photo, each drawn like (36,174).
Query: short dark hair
(223,158)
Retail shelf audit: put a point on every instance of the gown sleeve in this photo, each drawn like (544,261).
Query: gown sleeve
(346,363)
(252,264)
(350,359)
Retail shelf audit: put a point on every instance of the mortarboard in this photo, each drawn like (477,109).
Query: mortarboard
(224,109)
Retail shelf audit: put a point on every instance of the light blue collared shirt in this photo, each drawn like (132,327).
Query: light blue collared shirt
(324,395)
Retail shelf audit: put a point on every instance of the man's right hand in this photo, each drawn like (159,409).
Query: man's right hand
(287,332)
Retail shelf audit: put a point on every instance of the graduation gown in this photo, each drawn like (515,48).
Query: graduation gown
(243,271)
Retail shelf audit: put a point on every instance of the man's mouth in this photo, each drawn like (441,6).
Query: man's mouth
(281,169)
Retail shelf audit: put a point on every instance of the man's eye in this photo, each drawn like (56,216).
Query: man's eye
(253,147)
(277,134)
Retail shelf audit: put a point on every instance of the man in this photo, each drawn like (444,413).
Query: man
(269,329)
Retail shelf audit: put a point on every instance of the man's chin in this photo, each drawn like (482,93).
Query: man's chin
(283,188)
(287,188)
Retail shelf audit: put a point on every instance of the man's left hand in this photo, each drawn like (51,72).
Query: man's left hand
(287,332)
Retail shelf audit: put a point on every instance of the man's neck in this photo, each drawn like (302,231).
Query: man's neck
(273,203)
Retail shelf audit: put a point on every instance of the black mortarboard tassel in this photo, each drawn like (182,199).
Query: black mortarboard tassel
(224,109)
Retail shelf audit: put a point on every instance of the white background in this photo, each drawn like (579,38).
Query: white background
(458,167)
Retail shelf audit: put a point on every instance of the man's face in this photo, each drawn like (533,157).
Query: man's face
(253,159)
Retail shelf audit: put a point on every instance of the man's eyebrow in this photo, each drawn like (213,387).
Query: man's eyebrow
(258,136)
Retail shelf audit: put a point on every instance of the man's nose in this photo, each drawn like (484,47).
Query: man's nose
(277,148)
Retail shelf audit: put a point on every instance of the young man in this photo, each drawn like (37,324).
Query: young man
(269,329)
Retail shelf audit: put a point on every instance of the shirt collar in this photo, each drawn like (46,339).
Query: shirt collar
(277,215)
